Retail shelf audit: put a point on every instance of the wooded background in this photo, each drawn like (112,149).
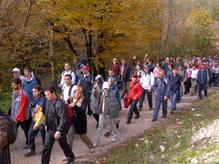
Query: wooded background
(46,33)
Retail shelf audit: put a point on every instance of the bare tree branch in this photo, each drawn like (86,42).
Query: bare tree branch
(28,12)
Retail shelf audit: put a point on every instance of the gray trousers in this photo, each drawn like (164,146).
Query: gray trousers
(112,125)
(99,129)
(84,138)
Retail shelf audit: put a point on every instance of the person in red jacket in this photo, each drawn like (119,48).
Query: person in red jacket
(134,94)
(18,110)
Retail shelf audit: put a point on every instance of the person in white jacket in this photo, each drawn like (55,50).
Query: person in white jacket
(67,70)
(147,82)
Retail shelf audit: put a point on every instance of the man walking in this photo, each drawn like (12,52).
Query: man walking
(125,75)
(162,92)
(202,80)
(175,82)
(55,126)
(147,82)
(86,83)
(18,110)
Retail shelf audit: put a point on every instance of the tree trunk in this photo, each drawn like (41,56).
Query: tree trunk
(51,54)
(88,44)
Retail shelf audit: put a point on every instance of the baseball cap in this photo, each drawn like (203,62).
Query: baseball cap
(85,68)
(16,69)
(106,85)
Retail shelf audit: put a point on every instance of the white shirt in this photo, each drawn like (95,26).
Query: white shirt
(65,92)
(194,73)
(147,81)
(63,78)
(22,78)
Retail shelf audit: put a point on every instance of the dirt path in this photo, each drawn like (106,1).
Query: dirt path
(83,155)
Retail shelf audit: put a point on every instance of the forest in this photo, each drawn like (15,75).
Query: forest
(46,33)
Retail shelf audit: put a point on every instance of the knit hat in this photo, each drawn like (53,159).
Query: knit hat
(99,79)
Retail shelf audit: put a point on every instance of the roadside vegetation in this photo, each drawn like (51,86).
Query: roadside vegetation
(188,137)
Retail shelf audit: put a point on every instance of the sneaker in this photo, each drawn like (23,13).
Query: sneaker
(114,139)
(64,159)
(128,121)
(29,153)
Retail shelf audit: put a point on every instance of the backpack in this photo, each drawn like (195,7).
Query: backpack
(12,128)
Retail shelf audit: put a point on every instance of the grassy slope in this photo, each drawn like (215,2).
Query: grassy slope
(174,135)
(5,99)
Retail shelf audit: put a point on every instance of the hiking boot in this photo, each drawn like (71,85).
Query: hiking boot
(172,112)
(107,134)
(29,153)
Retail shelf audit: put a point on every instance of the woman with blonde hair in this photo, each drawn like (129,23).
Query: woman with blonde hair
(79,120)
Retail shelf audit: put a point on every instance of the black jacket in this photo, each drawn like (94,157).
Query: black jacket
(175,82)
(202,77)
(86,83)
(4,147)
(80,118)
(56,115)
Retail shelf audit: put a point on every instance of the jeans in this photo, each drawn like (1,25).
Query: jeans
(173,100)
(133,108)
(158,102)
(179,93)
(33,133)
(99,129)
(49,141)
(149,96)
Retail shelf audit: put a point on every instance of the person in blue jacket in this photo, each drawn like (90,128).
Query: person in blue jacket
(162,93)
(30,82)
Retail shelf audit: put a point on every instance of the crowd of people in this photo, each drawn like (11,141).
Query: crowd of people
(36,109)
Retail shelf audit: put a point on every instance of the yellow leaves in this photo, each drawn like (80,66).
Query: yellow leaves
(202,17)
